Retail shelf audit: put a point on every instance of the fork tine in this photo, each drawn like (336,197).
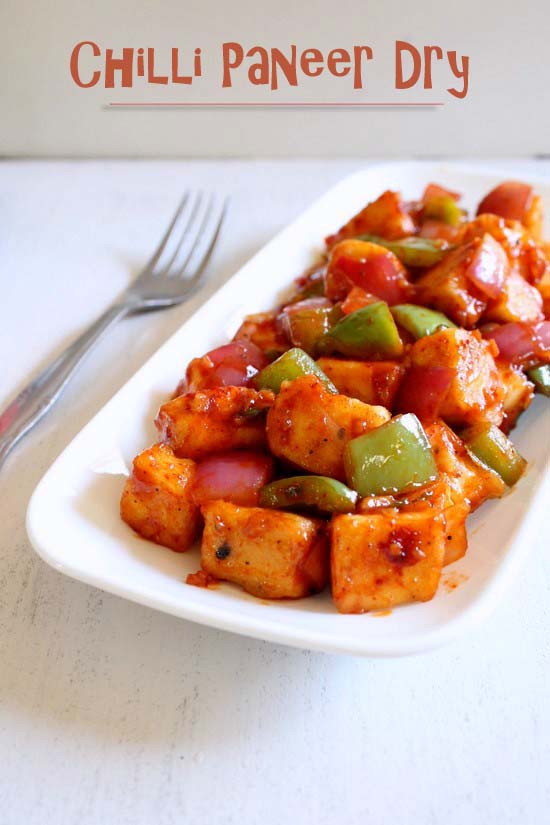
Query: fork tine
(164,240)
(205,241)
(187,238)
(190,246)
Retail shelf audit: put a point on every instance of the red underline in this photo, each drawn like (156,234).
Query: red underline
(270,105)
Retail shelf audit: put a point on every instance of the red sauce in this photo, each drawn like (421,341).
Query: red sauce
(452,580)
(201,579)
(403,547)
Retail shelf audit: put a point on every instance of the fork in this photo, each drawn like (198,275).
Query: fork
(170,277)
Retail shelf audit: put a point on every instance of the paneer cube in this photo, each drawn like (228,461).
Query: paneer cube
(445,287)
(269,553)
(470,480)
(519,302)
(456,538)
(437,498)
(518,395)
(533,219)
(476,391)
(157,500)
(309,426)
(373,382)
(386,558)
(387,217)
(214,421)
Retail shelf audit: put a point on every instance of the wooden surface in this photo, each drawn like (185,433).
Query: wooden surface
(112,713)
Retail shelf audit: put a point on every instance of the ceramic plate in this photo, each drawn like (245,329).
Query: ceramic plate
(73,517)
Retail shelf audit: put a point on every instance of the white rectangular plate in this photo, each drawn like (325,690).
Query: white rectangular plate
(73,518)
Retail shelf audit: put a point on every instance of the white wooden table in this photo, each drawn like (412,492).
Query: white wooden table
(112,713)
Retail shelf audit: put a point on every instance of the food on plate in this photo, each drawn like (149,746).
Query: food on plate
(238,546)
(386,558)
(343,438)
(308,426)
(224,418)
(157,500)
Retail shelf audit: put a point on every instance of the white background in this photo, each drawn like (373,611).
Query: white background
(506,111)
(112,713)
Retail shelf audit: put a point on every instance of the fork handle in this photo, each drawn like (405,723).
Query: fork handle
(34,401)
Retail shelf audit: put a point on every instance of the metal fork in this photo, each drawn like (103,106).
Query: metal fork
(169,278)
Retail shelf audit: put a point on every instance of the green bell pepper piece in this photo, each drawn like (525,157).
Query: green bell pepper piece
(306,327)
(540,376)
(494,449)
(420,321)
(326,495)
(370,332)
(290,365)
(413,251)
(444,208)
(394,458)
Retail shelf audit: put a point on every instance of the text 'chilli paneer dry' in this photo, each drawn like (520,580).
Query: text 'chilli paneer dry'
(343,439)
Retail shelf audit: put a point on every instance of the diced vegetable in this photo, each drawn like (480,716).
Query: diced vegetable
(423,391)
(237,477)
(289,366)
(510,200)
(369,266)
(326,495)
(526,345)
(393,458)
(443,208)
(492,447)
(488,267)
(305,327)
(540,376)
(420,321)
(231,365)
(414,251)
(270,553)
(542,332)
(367,333)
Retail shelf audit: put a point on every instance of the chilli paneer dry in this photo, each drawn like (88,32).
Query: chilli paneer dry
(343,438)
